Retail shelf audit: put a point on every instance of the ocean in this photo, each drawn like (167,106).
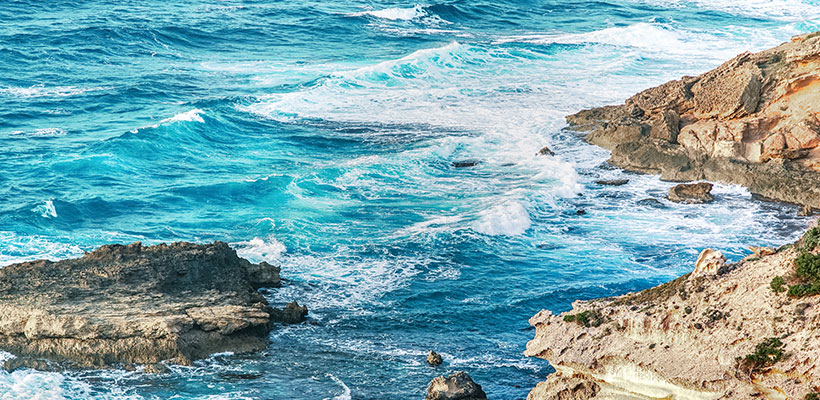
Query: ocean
(382,153)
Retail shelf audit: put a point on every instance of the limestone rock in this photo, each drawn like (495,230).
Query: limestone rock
(708,263)
(434,358)
(457,386)
(546,151)
(753,121)
(125,305)
(683,339)
(612,182)
(691,193)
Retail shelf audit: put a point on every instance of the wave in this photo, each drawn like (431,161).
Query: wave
(194,115)
(784,10)
(46,210)
(509,219)
(257,250)
(346,393)
(396,14)
(43,91)
(42,132)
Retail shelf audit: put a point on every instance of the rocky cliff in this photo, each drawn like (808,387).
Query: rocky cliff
(745,330)
(125,305)
(752,121)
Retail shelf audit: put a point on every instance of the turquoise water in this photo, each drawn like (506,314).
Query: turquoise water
(321,136)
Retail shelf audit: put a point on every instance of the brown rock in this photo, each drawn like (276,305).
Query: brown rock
(457,386)
(709,262)
(545,151)
(434,358)
(293,313)
(135,305)
(692,193)
(612,182)
(666,126)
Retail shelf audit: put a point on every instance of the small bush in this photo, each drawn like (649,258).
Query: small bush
(813,396)
(808,267)
(804,289)
(811,239)
(778,284)
(766,354)
(587,318)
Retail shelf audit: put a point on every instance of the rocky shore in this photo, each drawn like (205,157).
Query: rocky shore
(725,331)
(122,306)
(752,121)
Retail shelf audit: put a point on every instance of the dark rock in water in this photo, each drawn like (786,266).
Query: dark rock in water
(293,313)
(693,193)
(434,358)
(156,368)
(13,364)
(458,386)
(612,182)
(466,163)
(580,212)
(136,305)
(651,203)
(546,151)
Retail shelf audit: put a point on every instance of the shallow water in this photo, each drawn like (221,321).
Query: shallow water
(322,136)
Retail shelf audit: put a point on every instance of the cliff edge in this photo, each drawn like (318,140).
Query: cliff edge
(752,121)
(725,331)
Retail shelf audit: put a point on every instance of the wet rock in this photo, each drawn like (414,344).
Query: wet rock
(156,368)
(136,305)
(457,386)
(293,313)
(693,193)
(612,182)
(466,163)
(580,212)
(806,211)
(434,358)
(545,151)
(13,364)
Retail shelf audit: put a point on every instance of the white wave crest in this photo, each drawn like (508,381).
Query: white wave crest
(188,116)
(346,393)
(42,132)
(510,219)
(396,14)
(46,210)
(42,91)
(256,249)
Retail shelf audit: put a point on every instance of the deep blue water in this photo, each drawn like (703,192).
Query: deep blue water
(321,135)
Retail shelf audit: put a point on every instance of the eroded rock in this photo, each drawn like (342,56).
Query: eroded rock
(457,386)
(434,358)
(753,121)
(124,305)
(692,193)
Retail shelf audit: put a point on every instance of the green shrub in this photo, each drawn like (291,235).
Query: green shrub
(586,318)
(808,267)
(813,396)
(767,353)
(804,289)
(811,239)
(778,284)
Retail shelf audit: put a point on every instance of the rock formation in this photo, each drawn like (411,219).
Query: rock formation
(434,358)
(124,305)
(457,386)
(691,193)
(724,331)
(752,121)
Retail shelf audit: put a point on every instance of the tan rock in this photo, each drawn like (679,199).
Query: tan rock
(708,263)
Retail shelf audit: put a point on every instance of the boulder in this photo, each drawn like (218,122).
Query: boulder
(612,182)
(434,358)
(457,386)
(545,151)
(709,262)
(692,193)
(293,313)
(124,305)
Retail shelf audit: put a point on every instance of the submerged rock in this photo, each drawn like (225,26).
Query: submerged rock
(724,331)
(293,313)
(434,358)
(752,121)
(466,163)
(457,386)
(136,305)
(546,151)
(693,193)
(612,182)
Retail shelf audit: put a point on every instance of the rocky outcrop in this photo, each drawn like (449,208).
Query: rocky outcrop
(434,358)
(125,305)
(725,331)
(753,121)
(693,193)
(457,386)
